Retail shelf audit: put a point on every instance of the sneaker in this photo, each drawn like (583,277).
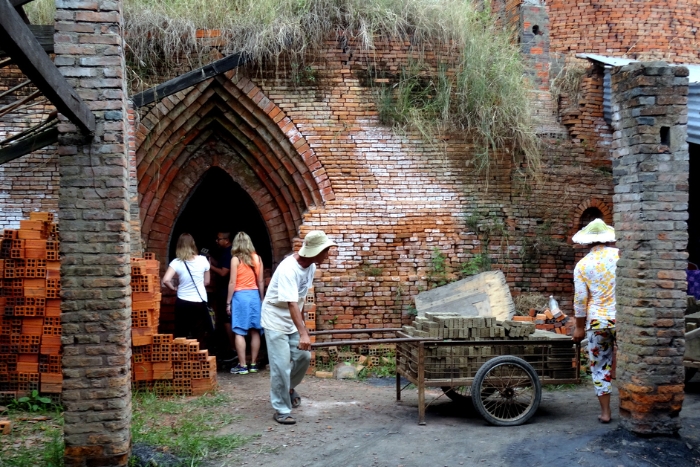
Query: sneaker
(252,368)
(239,370)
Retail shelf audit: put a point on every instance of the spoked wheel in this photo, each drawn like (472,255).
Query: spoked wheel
(459,394)
(506,391)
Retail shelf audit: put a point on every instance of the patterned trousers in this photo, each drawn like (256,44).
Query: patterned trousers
(601,343)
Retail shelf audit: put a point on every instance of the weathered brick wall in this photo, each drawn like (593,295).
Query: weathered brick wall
(585,122)
(651,209)
(645,29)
(389,199)
(29,183)
(94,232)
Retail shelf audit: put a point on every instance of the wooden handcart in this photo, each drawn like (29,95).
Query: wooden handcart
(503,378)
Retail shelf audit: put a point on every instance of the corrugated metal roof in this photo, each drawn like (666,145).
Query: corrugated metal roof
(693,69)
(694,113)
(693,91)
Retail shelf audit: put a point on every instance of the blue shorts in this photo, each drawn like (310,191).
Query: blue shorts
(245,311)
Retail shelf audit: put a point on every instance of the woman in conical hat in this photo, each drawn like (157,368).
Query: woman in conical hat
(594,306)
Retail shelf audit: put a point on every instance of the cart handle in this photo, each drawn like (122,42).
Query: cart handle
(352,331)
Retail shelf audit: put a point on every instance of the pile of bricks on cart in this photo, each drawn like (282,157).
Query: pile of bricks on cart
(455,326)
(549,320)
(160,363)
(30,324)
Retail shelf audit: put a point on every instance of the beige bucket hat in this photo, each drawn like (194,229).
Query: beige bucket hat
(596,231)
(314,243)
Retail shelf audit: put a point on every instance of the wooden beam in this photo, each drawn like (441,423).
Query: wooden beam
(43,34)
(24,49)
(30,144)
(189,79)
(18,3)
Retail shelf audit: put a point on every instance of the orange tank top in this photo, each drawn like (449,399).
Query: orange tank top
(245,275)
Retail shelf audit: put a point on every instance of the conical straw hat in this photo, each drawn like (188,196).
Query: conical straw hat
(595,232)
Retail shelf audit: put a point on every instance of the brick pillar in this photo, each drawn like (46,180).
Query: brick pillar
(650,171)
(534,42)
(94,213)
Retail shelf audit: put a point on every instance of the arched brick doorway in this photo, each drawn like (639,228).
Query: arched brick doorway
(219,204)
(229,124)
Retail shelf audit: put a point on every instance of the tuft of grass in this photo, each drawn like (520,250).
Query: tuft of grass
(479,89)
(568,81)
(526,301)
(186,428)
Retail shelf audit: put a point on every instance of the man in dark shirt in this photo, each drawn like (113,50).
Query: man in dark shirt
(221,271)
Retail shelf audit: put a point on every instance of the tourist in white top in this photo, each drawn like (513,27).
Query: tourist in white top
(288,341)
(192,271)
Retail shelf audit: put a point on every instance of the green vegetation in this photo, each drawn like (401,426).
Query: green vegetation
(478,264)
(34,402)
(437,274)
(385,369)
(476,88)
(36,437)
(187,428)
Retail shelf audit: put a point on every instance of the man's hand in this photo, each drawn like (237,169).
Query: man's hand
(304,342)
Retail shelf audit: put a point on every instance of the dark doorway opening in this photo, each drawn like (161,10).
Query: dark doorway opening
(694,205)
(219,204)
(588,216)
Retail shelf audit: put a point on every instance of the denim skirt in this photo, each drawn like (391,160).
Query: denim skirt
(245,311)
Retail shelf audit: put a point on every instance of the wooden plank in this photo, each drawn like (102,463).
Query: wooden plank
(18,3)
(189,79)
(30,144)
(24,49)
(43,34)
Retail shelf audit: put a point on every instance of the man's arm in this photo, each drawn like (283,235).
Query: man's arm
(297,318)
(221,271)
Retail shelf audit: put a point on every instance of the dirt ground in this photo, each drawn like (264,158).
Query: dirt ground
(360,424)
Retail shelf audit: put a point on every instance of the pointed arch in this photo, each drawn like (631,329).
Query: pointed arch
(266,154)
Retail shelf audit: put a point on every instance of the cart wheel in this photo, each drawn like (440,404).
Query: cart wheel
(459,394)
(506,391)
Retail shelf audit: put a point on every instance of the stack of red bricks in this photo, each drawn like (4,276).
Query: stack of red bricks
(166,365)
(30,322)
(310,323)
(549,320)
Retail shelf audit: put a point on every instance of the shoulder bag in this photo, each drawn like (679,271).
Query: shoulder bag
(210,310)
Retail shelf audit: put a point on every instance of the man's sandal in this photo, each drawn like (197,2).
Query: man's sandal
(296,398)
(284,419)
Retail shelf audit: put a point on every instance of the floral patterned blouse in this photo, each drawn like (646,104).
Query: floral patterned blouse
(594,284)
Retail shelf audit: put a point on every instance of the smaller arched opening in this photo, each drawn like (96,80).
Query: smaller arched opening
(219,204)
(588,216)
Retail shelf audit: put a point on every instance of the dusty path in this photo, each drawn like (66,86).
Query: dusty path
(358,424)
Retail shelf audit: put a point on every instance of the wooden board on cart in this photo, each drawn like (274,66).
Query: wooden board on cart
(486,294)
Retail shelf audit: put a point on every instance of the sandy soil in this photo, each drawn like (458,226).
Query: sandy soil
(360,424)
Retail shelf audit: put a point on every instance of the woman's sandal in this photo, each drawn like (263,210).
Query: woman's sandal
(602,420)
(296,398)
(284,419)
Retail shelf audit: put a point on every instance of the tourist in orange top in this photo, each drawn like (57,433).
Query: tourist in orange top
(245,294)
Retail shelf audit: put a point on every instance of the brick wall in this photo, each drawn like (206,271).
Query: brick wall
(95,240)
(644,29)
(29,183)
(390,200)
(651,209)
